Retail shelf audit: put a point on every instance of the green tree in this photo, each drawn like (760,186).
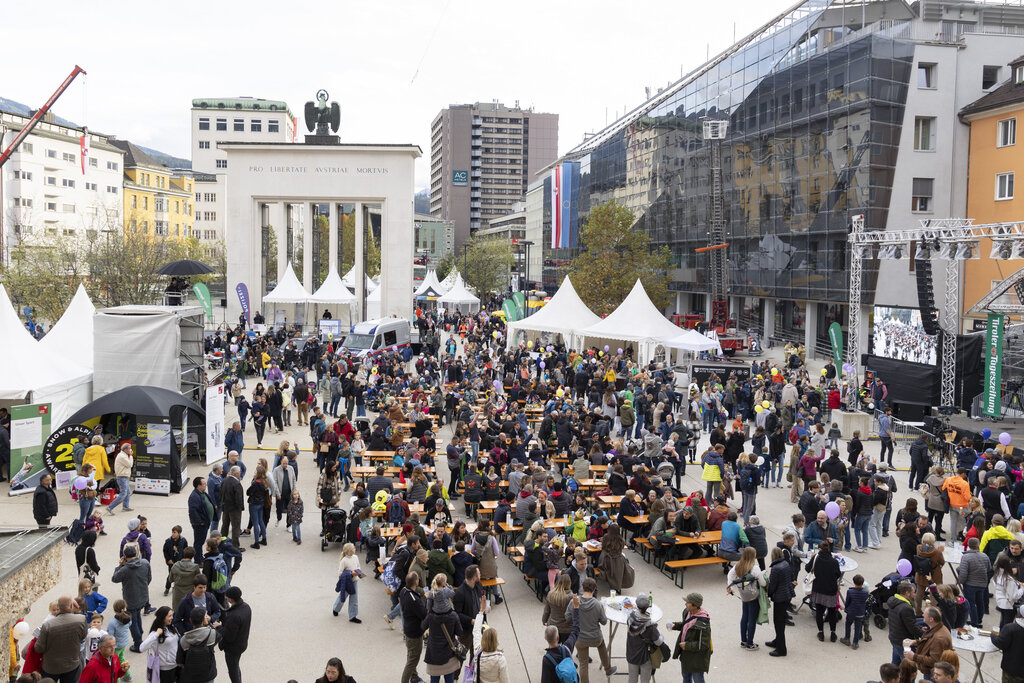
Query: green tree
(485,264)
(45,273)
(613,256)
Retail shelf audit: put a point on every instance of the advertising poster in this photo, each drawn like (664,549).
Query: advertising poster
(214,423)
(30,426)
(155,454)
(991,402)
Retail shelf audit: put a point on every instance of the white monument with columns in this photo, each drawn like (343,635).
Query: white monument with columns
(279,178)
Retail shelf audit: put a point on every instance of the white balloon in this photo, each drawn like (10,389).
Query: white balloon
(21,629)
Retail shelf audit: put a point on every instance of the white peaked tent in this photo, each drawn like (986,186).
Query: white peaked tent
(350,281)
(449,281)
(692,340)
(334,292)
(373,304)
(635,320)
(35,374)
(564,314)
(459,298)
(430,287)
(289,291)
(71,336)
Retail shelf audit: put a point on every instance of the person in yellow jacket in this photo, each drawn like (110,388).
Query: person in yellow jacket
(713,464)
(96,455)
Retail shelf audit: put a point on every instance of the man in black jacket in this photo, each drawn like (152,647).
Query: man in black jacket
(414,611)
(234,631)
(44,502)
(232,504)
(834,467)
(468,602)
(902,620)
(920,461)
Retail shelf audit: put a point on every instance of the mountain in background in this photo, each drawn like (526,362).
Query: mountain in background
(422,202)
(24,110)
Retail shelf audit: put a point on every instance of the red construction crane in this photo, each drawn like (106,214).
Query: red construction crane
(40,113)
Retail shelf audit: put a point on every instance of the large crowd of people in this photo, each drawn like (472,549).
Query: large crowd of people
(540,436)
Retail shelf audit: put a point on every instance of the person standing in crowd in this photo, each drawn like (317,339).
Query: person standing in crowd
(258,497)
(234,440)
(591,618)
(693,649)
(162,641)
(902,621)
(201,511)
(935,640)
(232,504)
(123,464)
(44,502)
(104,666)
(746,577)
(134,574)
(781,582)
(235,623)
(491,663)
(642,637)
(885,435)
(414,612)
(60,641)
(558,650)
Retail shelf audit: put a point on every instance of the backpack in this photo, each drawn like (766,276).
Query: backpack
(923,566)
(793,435)
(565,670)
(316,428)
(571,485)
(746,480)
(388,577)
(198,663)
(75,532)
(749,589)
(396,515)
(132,544)
(221,574)
(78,453)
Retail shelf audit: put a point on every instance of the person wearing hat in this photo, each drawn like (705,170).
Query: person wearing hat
(641,638)
(235,622)
(693,649)
(134,574)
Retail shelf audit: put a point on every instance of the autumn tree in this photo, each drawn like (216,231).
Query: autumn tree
(485,264)
(613,255)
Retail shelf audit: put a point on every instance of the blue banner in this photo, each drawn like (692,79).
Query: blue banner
(243,299)
(565,189)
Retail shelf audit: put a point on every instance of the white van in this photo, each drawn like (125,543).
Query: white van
(376,336)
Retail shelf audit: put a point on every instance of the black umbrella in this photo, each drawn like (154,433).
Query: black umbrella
(137,400)
(184,267)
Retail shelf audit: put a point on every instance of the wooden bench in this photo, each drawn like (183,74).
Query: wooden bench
(676,568)
(495,583)
(646,548)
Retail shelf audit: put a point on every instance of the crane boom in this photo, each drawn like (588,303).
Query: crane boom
(39,115)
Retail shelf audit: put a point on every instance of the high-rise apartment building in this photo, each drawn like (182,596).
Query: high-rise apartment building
(215,120)
(482,157)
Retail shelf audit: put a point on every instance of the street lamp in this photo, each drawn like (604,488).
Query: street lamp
(526,263)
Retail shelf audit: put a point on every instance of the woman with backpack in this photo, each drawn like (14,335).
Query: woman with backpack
(745,579)
(927,561)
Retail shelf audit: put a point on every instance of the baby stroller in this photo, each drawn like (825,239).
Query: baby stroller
(877,599)
(335,527)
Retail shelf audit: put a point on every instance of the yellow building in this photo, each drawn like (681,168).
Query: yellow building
(993,162)
(157,200)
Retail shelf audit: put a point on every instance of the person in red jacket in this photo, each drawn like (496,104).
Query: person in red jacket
(105,666)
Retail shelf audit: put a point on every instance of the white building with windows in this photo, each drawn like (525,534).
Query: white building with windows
(45,188)
(216,120)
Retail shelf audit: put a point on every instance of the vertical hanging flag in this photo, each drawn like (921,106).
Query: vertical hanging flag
(565,182)
(243,299)
(835,335)
(203,294)
(83,143)
(991,403)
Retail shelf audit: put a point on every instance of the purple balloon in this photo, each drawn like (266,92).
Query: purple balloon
(904,567)
(986,433)
(832,510)
(847,368)
(550,348)
(497,384)
(620,352)
(606,347)
(542,365)
(80,483)
(1005,439)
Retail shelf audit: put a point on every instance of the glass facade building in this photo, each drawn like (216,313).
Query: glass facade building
(815,103)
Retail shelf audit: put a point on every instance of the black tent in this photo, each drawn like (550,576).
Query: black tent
(154,414)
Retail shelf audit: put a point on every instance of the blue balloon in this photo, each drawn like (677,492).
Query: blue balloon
(986,433)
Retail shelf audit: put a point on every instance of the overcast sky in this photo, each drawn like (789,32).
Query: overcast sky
(392,65)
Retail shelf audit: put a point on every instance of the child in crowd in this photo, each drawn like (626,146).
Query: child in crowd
(89,600)
(92,637)
(441,594)
(295,516)
(834,434)
(95,522)
(856,611)
(120,627)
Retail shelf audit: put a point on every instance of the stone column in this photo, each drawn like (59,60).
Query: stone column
(360,265)
(811,327)
(769,320)
(307,249)
(279,221)
(333,238)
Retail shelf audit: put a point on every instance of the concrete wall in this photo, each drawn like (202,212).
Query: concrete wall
(23,587)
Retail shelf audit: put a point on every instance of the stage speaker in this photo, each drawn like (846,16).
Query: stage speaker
(926,296)
(909,412)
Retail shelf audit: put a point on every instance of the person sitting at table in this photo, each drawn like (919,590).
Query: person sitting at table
(733,541)
(440,515)
(629,507)
(717,516)
(687,524)
(535,566)
(662,535)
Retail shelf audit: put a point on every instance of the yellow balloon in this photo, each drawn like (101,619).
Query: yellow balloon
(775,371)
(374,371)
(560,393)
(529,345)
(760,377)
(766,404)
(759,409)
(601,354)
(494,334)
(824,372)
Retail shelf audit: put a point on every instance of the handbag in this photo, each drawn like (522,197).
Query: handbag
(459,649)
(658,654)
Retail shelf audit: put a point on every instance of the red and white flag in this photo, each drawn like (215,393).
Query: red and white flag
(84,144)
